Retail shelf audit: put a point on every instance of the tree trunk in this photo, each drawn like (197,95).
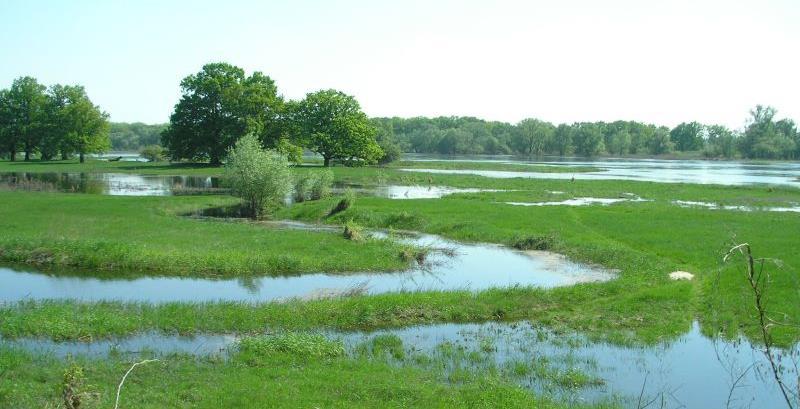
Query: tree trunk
(13,156)
(27,155)
(64,155)
(326,161)
(81,156)
(215,160)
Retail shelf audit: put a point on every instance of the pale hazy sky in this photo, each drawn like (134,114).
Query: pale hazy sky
(658,61)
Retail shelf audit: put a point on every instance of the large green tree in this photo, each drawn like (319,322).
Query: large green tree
(721,142)
(588,139)
(533,136)
(660,143)
(25,105)
(619,142)
(9,145)
(687,136)
(767,139)
(331,123)
(85,126)
(218,106)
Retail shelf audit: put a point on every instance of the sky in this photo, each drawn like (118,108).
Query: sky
(656,61)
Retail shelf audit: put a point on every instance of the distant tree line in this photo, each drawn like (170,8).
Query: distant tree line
(56,121)
(763,137)
(134,136)
(220,104)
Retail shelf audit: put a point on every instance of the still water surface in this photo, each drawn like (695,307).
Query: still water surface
(470,267)
(650,170)
(693,371)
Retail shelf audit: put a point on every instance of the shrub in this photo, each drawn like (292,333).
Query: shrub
(302,185)
(348,200)
(153,153)
(353,231)
(391,153)
(321,183)
(260,177)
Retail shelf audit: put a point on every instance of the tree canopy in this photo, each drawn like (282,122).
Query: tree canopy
(60,119)
(332,124)
(218,106)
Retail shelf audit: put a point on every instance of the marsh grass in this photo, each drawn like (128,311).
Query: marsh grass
(276,372)
(298,345)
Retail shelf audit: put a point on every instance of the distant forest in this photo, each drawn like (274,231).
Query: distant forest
(134,136)
(763,137)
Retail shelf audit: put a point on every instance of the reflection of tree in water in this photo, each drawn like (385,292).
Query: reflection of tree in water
(251,284)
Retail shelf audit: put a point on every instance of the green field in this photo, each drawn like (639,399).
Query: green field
(644,241)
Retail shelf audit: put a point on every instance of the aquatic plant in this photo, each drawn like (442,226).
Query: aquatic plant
(296,344)
(541,242)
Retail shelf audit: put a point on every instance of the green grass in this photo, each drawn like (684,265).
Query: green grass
(94,166)
(252,378)
(146,235)
(645,241)
(643,316)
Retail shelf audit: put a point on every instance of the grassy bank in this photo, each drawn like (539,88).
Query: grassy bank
(146,235)
(626,318)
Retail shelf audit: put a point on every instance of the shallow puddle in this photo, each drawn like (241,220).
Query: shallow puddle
(408,192)
(716,206)
(450,266)
(580,201)
(691,372)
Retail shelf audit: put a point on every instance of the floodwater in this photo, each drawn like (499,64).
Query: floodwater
(408,192)
(716,206)
(115,184)
(650,170)
(581,201)
(120,184)
(450,266)
(693,371)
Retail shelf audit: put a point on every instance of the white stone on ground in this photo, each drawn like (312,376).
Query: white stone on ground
(681,275)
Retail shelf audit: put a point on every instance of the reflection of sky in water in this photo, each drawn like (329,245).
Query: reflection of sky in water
(408,192)
(667,171)
(691,372)
(475,267)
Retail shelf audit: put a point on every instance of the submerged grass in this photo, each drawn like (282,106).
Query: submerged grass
(248,381)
